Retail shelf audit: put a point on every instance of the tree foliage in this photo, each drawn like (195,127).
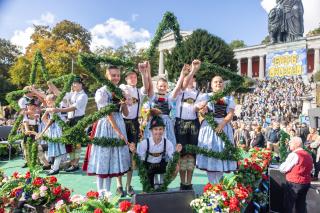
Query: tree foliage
(203,46)
(314,32)
(266,40)
(237,44)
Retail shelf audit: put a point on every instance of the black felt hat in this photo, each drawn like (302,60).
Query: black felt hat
(77,79)
(156,121)
(32,101)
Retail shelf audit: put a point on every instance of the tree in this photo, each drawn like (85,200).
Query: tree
(237,44)
(266,40)
(20,71)
(203,46)
(72,33)
(314,32)
(8,56)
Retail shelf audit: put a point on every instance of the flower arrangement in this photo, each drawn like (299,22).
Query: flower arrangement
(33,190)
(235,190)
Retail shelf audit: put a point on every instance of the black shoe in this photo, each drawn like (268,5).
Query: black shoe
(46,167)
(25,165)
(53,172)
(183,187)
(130,191)
(189,187)
(72,169)
(120,192)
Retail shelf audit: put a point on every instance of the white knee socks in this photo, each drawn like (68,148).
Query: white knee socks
(108,184)
(56,164)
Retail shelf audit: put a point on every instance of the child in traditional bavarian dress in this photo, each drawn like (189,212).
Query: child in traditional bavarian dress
(136,97)
(31,122)
(53,130)
(160,104)
(187,123)
(208,138)
(155,151)
(108,162)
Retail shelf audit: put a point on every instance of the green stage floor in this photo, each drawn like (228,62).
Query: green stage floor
(80,183)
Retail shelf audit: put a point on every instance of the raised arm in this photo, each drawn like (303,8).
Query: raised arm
(143,69)
(176,91)
(195,66)
(148,72)
(53,89)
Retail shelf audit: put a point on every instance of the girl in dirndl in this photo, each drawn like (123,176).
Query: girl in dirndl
(53,130)
(108,162)
(160,104)
(223,111)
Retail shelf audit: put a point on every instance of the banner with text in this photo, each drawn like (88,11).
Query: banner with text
(286,63)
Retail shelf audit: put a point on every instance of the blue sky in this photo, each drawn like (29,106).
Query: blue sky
(137,20)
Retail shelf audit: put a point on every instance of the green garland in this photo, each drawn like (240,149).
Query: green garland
(169,22)
(32,153)
(65,78)
(13,97)
(38,60)
(108,142)
(90,61)
(13,132)
(168,178)
(283,148)
(230,152)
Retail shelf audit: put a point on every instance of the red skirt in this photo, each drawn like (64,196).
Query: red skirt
(87,156)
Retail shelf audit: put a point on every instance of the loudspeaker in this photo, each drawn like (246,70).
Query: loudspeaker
(169,202)
(276,191)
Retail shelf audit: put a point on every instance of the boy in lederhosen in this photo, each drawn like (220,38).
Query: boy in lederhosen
(156,150)
(187,123)
(135,96)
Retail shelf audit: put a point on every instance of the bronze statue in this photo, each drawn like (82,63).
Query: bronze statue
(285,21)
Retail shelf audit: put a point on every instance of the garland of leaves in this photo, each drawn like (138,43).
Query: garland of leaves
(108,142)
(169,22)
(230,152)
(90,61)
(38,59)
(283,149)
(12,98)
(142,171)
(32,152)
(66,78)
(13,132)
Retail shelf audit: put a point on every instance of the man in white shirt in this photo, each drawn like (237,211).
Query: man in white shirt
(77,108)
(135,97)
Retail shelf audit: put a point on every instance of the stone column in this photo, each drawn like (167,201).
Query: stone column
(316,60)
(261,67)
(239,66)
(249,73)
(161,63)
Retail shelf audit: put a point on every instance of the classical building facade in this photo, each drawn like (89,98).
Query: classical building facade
(252,60)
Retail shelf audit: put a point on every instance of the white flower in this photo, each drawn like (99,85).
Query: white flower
(35,196)
(43,193)
(59,204)
(77,199)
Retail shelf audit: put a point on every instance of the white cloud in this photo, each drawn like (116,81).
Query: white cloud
(311,12)
(115,33)
(22,39)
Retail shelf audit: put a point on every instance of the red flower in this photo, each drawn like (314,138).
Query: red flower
(161,99)
(137,208)
(1,210)
(66,194)
(125,206)
(234,205)
(15,174)
(92,194)
(98,210)
(144,209)
(56,190)
(207,187)
(52,179)
(224,194)
(38,181)
(28,175)
(16,192)
(265,177)
(225,203)
(220,102)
